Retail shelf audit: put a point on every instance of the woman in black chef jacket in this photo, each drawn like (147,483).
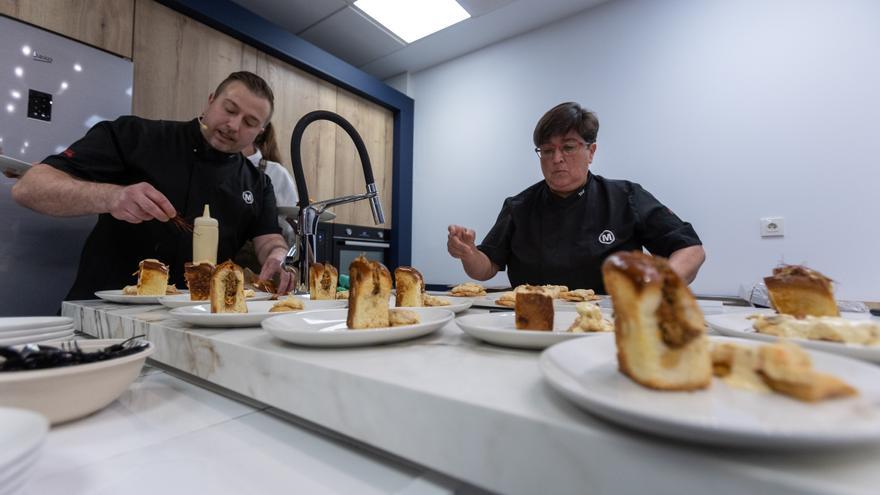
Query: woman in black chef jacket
(560,230)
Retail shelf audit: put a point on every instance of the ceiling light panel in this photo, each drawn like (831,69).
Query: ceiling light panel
(413,19)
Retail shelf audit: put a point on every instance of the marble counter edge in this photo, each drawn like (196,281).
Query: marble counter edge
(460,439)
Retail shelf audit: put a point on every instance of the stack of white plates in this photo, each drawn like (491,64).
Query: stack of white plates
(22,435)
(29,329)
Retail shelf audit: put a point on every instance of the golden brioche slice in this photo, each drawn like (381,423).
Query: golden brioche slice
(198,280)
(659,328)
(323,278)
(788,370)
(152,278)
(227,289)
(409,286)
(799,291)
(369,294)
(534,310)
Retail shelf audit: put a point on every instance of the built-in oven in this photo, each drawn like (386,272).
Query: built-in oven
(347,242)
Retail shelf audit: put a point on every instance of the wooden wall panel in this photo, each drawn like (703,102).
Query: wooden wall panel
(106,24)
(179,61)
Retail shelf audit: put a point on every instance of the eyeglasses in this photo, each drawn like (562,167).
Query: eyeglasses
(567,149)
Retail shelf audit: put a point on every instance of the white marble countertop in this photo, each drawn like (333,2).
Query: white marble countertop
(165,435)
(469,410)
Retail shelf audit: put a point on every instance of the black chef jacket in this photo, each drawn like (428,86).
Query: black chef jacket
(542,238)
(176,160)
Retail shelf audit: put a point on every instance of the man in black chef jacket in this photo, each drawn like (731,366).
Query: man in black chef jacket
(560,230)
(137,174)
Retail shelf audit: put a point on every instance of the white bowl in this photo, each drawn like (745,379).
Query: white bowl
(71,392)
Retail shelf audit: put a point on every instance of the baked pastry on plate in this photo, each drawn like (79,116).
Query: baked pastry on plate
(782,367)
(152,278)
(468,289)
(227,289)
(409,286)
(287,304)
(799,291)
(534,310)
(369,294)
(198,280)
(659,328)
(323,278)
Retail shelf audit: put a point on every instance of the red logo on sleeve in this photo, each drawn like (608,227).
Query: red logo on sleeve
(68,153)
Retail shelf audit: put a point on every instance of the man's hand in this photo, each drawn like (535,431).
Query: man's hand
(139,203)
(460,242)
(272,265)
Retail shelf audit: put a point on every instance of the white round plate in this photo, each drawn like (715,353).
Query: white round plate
(328,328)
(585,371)
(33,331)
(118,297)
(27,322)
(21,433)
(738,325)
(500,329)
(181,300)
(38,337)
(258,311)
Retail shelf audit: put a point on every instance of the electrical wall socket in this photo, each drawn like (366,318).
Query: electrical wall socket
(772,227)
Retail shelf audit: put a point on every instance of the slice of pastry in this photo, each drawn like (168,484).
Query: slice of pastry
(467,289)
(369,294)
(579,295)
(788,370)
(508,299)
(342,294)
(152,278)
(555,291)
(590,319)
(198,280)
(322,281)
(830,328)
(534,310)
(400,317)
(429,300)
(658,326)
(287,304)
(409,286)
(799,291)
(227,289)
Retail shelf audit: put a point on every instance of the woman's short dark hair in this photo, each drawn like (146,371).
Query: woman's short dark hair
(566,117)
(254,83)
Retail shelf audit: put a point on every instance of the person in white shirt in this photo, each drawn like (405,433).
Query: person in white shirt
(264,154)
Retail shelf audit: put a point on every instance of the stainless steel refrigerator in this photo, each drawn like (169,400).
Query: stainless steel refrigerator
(52,90)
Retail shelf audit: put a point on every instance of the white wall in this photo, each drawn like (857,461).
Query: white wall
(727,111)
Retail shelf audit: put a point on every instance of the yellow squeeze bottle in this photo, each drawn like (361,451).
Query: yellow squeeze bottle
(205,235)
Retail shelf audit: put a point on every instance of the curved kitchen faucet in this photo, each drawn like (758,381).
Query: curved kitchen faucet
(305,244)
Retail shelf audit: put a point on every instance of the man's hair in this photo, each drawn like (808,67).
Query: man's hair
(566,117)
(254,83)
